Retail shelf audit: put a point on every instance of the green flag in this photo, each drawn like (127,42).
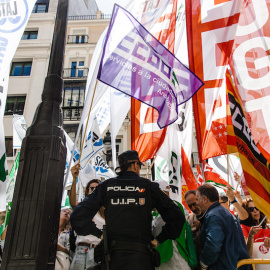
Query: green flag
(3,170)
(12,179)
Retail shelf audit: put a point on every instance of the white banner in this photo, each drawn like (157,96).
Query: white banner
(102,169)
(161,169)
(93,144)
(70,145)
(19,130)
(3,161)
(179,133)
(13,20)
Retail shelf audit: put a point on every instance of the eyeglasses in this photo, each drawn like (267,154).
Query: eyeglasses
(192,205)
(223,202)
(251,209)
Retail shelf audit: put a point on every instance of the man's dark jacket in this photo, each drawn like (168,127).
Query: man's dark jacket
(222,240)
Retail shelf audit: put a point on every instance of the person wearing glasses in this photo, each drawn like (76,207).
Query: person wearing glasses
(129,200)
(85,244)
(256,232)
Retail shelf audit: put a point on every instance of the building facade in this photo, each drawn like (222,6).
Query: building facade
(29,68)
(30,64)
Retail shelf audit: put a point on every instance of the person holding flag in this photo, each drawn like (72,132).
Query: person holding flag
(256,232)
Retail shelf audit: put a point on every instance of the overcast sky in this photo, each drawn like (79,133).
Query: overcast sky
(106,6)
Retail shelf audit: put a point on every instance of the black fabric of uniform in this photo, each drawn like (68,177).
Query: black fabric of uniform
(128,216)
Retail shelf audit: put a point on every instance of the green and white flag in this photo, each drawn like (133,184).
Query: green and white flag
(12,179)
(3,158)
(13,20)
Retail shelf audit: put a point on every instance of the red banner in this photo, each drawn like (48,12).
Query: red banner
(211,27)
(250,66)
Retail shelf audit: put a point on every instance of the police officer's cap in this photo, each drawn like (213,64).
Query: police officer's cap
(127,157)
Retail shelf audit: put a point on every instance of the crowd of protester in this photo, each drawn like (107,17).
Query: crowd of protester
(220,230)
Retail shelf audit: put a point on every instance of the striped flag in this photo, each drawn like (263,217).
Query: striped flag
(255,165)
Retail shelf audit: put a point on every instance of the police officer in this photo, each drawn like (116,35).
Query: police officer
(129,200)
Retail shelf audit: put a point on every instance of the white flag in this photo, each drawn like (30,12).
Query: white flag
(14,17)
(3,161)
(219,164)
(19,130)
(93,144)
(69,145)
(179,133)
(102,168)
(161,169)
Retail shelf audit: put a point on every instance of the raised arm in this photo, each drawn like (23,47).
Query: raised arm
(242,213)
(72,196)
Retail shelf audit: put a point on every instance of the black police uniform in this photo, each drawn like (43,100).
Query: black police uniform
(128,200)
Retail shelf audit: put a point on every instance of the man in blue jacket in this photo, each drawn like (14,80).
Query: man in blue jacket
(222,239)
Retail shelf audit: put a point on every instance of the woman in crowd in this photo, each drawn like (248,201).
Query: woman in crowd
(84,253)
(256,233)
(63,248)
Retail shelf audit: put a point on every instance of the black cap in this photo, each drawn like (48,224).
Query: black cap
(128,157)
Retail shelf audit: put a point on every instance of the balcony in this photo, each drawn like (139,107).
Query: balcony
(90,17)
(75,73)
(77,39)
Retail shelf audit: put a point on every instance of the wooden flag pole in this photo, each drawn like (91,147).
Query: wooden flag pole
(151,167)
(85,130)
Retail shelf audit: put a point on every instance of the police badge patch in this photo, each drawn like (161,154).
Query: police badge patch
(142,201)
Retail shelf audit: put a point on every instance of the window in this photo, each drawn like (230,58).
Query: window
(21,69)
(9,146)
(40,8)
(73,101)
(15,105)
(29,35)
(76,71)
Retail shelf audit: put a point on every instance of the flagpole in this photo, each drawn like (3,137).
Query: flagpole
(85,130)
(150,167)
(228,169)
(231,163)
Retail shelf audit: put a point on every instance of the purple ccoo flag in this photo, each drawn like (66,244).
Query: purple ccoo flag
(137,64)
